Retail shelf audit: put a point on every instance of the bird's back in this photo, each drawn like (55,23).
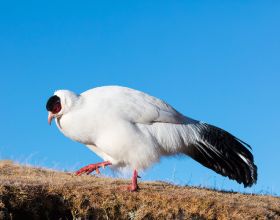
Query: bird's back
(132,105)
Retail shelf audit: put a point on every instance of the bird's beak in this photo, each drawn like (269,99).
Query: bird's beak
(50,117)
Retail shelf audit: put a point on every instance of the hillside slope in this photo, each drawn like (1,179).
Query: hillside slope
(36,193)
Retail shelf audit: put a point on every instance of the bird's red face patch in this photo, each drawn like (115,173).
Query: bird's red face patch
(56,108)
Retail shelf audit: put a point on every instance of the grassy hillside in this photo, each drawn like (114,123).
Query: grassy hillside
(36,193)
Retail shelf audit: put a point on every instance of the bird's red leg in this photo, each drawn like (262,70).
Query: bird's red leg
(92,167)
(134,186)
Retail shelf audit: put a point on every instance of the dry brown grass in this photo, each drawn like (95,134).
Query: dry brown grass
(35,193)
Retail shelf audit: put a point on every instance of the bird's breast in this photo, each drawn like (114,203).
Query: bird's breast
(77,129)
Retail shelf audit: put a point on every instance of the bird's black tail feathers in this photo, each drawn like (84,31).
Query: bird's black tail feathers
(220,151)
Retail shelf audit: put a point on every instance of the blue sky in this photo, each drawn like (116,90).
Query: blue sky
(217,61)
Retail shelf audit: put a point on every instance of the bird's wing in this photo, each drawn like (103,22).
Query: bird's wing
(139,107)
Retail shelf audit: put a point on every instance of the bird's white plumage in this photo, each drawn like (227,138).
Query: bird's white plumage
(132,129)
(129,127)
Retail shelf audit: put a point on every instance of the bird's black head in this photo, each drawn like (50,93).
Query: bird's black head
(54,105)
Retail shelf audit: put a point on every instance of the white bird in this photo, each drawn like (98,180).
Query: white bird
(129,128)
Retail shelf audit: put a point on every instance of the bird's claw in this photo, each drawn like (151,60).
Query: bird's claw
(88,169)
(130,188)
(92,167)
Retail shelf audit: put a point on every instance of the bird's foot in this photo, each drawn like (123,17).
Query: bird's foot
(92,167)
(130,188)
